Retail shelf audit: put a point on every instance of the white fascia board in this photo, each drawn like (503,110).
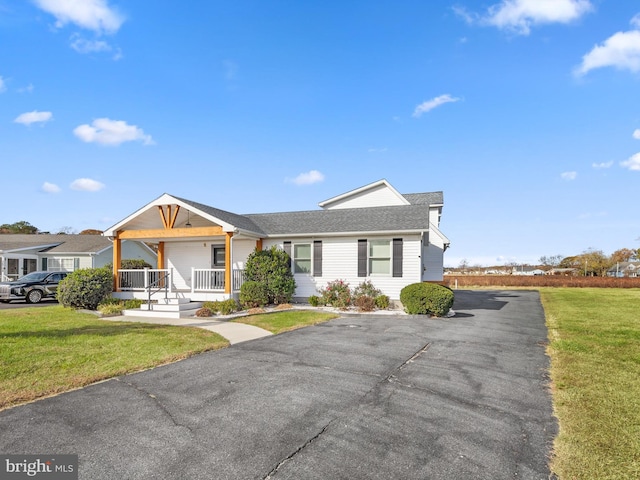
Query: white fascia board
(436,230)
(364,189)
(33,247)
(346,234)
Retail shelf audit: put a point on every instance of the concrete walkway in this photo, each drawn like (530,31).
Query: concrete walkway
(232,331)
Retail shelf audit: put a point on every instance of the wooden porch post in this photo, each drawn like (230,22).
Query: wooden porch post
(227,262)
(160,264)
(259,244)
(117,261)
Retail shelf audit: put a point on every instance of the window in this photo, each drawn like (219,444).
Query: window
(218,256)
(302,258)
(63,264)
(379,257)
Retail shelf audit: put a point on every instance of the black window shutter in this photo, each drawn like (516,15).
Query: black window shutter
(397,257)
(44,263)
(317,258)
(362,258)
(287,250)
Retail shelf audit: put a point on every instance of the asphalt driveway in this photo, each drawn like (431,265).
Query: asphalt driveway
(355,398)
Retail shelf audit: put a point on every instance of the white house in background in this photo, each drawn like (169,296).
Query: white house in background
(22,254)
(371,233)
(624,269)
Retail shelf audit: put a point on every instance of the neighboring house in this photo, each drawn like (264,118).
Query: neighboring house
(371,233)
(624,269)
(563,271)
(527,271)
(22,254)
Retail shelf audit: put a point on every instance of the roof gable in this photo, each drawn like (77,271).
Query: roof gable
(376,194)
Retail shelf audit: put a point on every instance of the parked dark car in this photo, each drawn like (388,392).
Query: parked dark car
(33,287)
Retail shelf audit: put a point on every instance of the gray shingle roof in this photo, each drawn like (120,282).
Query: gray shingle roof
(240,221)
(374,219)
(427,198)
(55,243)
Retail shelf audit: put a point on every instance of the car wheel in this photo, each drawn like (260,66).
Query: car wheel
(34,296)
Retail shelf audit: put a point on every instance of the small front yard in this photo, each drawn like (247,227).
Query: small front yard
(286,320)
(49,350)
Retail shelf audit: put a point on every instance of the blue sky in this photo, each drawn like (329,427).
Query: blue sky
(525,113)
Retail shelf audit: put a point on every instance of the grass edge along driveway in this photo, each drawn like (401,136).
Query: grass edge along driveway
(54,349)
(594,345)
(50,350)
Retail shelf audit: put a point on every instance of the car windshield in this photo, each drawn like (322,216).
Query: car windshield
(33,277)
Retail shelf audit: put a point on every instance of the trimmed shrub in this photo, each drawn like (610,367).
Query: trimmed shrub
(85,288)
(110,308)
(314,300)
(213,306)
(337,294)
(204,312)
(272,269)
(426,299)
(132,303)
(253,294)
(382,302)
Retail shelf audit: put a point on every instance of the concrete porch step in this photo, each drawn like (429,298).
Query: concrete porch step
(175,308)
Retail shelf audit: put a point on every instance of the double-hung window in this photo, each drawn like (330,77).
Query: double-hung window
(380,257)
(302,258)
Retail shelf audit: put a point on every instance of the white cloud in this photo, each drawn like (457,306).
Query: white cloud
(635,21)
(111,132)
(636,134)
(633,163)
(311,177)
(33,117)
(95,15)
(3,85)
(621,51)
(602,165)
(519,16)
(424,107)
(50,187)
(82,45)
(86,185)
(568,175)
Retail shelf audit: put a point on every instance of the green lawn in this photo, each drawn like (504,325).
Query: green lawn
(286,320)
(49,350)
(595,367)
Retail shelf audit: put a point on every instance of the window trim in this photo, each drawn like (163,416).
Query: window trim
(295,259)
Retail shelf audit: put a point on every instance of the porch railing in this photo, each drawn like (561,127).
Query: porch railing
(213,279)
(132,280)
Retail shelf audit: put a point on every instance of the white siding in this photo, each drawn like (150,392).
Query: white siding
(241,249)
(380,196)
(340,262)
(182,256)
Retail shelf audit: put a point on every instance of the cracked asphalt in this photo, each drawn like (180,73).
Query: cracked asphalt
(366,397)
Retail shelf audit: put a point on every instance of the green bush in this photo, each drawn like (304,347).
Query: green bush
(85,288)
(130,264)
(272,269)
(426,299)
(132,303)
(382,302)
(337,294)
(314,300)
(214,306)
(228,306)
(253,294)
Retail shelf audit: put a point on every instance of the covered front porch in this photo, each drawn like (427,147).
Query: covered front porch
(200,256)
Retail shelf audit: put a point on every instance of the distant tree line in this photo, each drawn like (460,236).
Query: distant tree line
(23,227)
(591,262)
